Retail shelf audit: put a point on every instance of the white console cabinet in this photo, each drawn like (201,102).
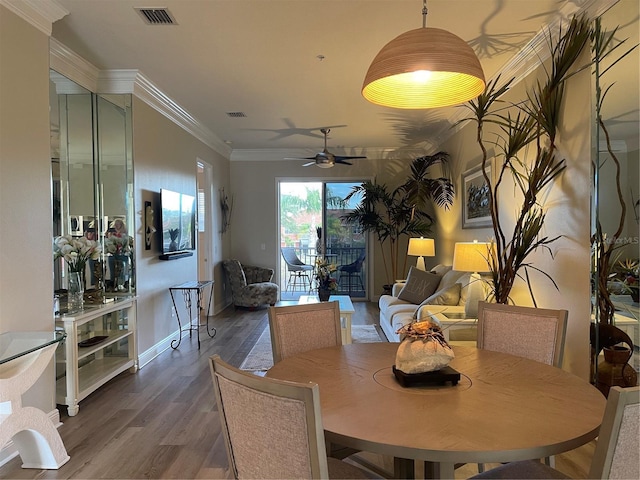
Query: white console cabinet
(85,364)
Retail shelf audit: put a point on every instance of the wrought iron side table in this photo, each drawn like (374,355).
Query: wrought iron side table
(187,289)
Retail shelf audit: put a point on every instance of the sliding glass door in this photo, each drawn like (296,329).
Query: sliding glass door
(311,227)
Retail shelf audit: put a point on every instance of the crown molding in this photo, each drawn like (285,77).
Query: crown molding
(536,51)
(66,62)
(146,91)
(37,13)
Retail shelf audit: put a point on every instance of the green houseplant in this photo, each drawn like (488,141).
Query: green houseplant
(392,214)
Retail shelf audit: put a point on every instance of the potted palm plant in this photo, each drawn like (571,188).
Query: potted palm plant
(392,214)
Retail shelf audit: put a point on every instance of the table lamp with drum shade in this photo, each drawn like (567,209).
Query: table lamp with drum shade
(421,247)
(472,257)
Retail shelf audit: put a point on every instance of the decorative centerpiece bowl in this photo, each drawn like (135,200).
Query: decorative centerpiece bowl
(423,348)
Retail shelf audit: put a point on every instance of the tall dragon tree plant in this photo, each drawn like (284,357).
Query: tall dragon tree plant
(534,122)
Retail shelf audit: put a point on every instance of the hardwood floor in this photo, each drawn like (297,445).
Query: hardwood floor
(162,422)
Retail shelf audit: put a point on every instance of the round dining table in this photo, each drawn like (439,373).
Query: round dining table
(504,408)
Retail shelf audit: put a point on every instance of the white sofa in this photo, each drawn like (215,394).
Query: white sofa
(395,312)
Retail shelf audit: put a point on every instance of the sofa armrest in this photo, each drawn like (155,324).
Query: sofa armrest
(255,274)
(395,290)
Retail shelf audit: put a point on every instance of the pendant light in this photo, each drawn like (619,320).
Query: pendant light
(424,68)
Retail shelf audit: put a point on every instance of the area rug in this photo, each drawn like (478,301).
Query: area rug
(260,357)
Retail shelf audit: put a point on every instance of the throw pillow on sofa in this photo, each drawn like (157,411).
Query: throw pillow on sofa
(444,296)
(420,285)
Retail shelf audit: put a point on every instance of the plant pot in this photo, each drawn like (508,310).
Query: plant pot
(615,370)
(606,336)
(324,294)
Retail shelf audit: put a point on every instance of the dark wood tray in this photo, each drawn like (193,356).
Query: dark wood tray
(89,342)
(437,377)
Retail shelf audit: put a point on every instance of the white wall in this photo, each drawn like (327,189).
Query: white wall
(26,261)
(165,156)
(567,206)
(254,186)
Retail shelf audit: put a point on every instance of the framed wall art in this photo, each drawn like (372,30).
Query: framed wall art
(475,197)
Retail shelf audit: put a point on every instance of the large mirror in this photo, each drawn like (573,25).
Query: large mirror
(616,206)
(92,174)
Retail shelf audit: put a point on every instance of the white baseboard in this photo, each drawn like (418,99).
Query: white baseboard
(164,344)
(218,307)
(147,356)
(10,450)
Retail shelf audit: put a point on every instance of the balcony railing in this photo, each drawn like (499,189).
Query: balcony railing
(335,255)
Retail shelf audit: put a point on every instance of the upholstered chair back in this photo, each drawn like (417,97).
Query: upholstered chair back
(273,428)
(534,333)
(299,328)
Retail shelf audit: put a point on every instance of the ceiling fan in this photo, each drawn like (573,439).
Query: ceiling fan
(326,159)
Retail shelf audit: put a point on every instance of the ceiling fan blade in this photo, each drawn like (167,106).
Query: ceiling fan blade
(342,162)
(300,158)
(309,164)
(347,157)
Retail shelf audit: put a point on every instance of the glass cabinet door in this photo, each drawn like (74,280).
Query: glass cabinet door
(92,173)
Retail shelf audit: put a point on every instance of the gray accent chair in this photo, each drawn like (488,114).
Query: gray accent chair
(251,286)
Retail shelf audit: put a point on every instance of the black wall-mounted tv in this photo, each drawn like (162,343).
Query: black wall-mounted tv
(178,222)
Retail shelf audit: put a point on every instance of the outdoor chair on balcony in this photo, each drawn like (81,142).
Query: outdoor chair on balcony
(298,270)
(352,270)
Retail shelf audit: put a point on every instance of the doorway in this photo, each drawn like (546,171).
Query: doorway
(310,225)
(204,185)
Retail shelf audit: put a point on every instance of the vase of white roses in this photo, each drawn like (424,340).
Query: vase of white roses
(326,283)
(76,251)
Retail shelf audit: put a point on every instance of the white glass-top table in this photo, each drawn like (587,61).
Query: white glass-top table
(23,358)
(346,311)
(17,344)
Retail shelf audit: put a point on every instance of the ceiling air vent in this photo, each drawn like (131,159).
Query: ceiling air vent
(157,16)
(236,114)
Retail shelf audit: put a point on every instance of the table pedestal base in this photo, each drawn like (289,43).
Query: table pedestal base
(36,439)
(31,430)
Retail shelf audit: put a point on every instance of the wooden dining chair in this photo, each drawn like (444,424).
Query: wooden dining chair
(616,454)
(533,333)
(300,328)
(273,428)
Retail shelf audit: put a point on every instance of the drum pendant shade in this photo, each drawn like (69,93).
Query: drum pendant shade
(424,68)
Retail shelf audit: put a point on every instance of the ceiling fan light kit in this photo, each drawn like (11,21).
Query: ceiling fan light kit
(424,68)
